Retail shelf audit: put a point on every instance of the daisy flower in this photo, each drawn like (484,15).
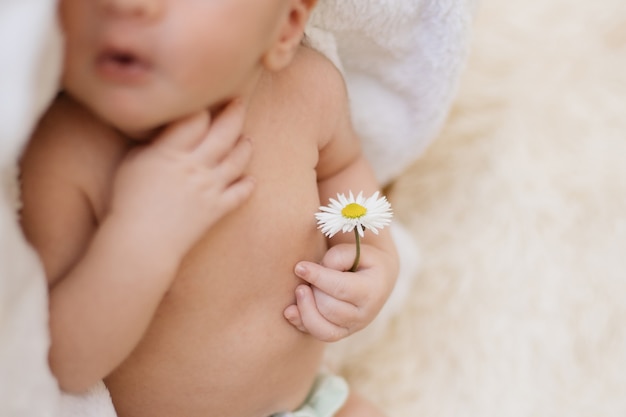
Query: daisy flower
(358,214)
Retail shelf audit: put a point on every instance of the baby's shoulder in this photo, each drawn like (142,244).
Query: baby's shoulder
(313,85)
(69,143)
(316,66)
(318,76)
(67,128)
(70,128)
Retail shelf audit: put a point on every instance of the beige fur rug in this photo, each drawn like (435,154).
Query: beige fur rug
(520,211)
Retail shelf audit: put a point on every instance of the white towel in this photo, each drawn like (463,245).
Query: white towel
(401,60)
(29,42)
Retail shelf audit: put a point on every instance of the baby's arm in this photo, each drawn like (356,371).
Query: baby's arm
(339,303)
(107,280)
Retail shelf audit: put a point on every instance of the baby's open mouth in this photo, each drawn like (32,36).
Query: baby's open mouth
(121,58)
(122,65)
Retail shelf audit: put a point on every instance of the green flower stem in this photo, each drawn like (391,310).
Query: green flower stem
(358,251)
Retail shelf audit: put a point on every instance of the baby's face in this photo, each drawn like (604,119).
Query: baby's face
(139,64)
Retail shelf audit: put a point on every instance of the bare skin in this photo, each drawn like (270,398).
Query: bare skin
(219,331)
(183,261)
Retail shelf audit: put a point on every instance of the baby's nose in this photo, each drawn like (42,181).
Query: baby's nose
(140,9)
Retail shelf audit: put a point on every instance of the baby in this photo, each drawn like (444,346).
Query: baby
(170,191)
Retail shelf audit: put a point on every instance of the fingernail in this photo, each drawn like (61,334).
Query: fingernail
(300,270)
(300,294)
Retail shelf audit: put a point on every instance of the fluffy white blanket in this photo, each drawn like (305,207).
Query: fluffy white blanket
(401,60)
(520,210)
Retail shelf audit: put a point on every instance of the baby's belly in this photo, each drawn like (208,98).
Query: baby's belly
(219,345)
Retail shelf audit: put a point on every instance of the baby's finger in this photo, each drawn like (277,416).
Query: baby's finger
(340,313)
(223,133)
(292,314)
(341,285)
(236,194)
(313,321)
(233,165)
(184,134)
(341,257)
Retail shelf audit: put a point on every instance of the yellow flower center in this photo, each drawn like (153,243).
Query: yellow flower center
(353,211)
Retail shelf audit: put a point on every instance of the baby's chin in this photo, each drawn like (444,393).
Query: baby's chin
(133,121)
(141,135)
(134,127)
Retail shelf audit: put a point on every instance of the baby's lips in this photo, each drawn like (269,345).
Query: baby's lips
(122,65)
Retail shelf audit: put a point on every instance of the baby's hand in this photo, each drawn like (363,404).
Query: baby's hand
(172,189)
(339,303)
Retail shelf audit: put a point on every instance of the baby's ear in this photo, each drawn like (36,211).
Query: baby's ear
(290,35)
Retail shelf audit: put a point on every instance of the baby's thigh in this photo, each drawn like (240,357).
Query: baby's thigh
(357,406)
